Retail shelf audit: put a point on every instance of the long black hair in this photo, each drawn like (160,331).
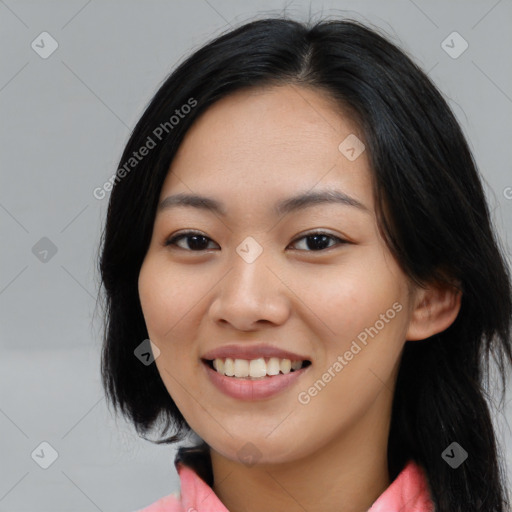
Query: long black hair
(431,210)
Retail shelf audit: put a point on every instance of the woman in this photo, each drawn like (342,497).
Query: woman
(298,226)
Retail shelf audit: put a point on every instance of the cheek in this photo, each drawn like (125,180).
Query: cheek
(170,301)
(353,296)
(166,297)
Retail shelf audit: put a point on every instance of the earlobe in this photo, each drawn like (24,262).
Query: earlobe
(436,309)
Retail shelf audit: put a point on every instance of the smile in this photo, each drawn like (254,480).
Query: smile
(255,368)
(274,375)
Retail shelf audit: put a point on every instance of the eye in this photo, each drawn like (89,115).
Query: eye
(198,241)
(318,240)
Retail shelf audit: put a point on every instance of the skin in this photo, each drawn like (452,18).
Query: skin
(249,151)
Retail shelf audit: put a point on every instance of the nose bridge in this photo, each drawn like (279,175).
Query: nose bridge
(250,291)
(250,261)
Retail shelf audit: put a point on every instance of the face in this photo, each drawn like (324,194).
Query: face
(312,280)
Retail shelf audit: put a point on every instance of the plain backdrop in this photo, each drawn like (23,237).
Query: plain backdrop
(65,118)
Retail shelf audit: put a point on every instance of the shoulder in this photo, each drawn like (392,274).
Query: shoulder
(169,503)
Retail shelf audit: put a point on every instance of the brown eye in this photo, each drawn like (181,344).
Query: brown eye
(318,241)
(196,241)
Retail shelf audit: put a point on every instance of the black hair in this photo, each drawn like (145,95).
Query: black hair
(431,210)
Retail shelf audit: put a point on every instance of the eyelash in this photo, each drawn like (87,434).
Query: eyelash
(186,234)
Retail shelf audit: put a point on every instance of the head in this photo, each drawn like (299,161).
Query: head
(408,280)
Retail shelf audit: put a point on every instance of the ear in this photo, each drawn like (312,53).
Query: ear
(436,308)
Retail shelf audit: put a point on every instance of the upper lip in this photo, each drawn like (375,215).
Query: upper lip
(245,351)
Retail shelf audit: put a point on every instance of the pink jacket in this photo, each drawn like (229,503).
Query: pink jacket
(407,493)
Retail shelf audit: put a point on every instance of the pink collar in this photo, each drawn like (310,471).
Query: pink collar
(407,493)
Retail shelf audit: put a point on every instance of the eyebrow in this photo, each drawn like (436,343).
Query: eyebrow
(299,202)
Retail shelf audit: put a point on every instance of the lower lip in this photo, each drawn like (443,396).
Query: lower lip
(247,389)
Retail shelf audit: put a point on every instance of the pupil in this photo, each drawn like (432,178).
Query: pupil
(194,244)
(318,245)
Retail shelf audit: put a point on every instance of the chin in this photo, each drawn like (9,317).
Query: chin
(257,450)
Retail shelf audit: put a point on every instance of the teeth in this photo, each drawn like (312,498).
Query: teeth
(218,364)
(241,368)
(258,368)
(285,365)
(229,367)
(255,368)
(296,365)
(273,366)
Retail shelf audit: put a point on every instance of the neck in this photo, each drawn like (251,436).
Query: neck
(348,474)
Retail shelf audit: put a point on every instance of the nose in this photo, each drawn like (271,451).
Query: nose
(250,294)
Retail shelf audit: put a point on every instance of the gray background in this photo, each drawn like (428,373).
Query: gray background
(64,121)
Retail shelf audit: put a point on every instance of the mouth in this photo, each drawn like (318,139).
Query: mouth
(255,369)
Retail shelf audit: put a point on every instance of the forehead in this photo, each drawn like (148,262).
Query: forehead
(269,140)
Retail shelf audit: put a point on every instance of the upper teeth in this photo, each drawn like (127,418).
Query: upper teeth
(255,367)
